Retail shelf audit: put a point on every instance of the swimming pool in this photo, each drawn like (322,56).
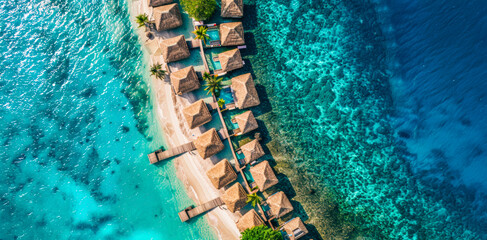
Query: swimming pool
(226,94)
(214,34)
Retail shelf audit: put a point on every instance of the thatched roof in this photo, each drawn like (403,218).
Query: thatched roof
(157,3)
(245,92)
(153,47)
(185,80)
(263,175)
(232,8)
(246,122)
(232,34)
(252,151)
(197,114)
(235,197)
(221,174)
(167,17)
(230,60)
(279,204)
(249,220)
(174,49)
(295,228)
(208,143)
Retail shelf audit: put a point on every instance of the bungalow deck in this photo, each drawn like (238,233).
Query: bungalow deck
(191,212)
(160,155)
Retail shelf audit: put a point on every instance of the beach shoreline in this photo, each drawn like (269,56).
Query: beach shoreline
(190,167)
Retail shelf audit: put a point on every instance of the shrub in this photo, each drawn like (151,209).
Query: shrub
(261,232)
(199,9)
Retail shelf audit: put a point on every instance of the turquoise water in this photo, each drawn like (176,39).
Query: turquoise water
(226,95)
(214,34)
(323,72)
(77,124)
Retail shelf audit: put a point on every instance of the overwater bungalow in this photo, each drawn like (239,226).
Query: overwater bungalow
(157,3)
(279,204)
(221,174)
(263,175)
(249,220)
(197,114)
(294,228)
(246,122)
(252,151)
(208,143)
(174,49)
(230,60)
(185,80)
(245,94)
(167,17)
(235,197)
(153,47)
(232,34)
(232,8)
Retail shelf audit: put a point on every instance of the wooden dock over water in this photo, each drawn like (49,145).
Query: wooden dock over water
(191,212)
(160,155)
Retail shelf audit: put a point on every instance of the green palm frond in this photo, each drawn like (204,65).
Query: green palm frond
(200,33)
(157,71)
(142,19)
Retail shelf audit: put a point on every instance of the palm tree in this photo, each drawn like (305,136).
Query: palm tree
(221,103)
(142,19)
(206,76)
(200,33)
(213,85)
(253,198)
(156,70)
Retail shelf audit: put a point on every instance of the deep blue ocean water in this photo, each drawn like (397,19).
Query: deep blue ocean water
(76,125)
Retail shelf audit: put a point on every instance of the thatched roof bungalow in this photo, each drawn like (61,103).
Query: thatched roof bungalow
(232,34)
(197,114)
(279,204)
(249,220)
(167,17)
(174,49)
(208,143)
(154,47)
(252,151)
(232,8)
(221,174)
(246,122)
(263,175)
(235,197)
(245,93)
(230,60)
(157,3)
(185,80)
(295,228)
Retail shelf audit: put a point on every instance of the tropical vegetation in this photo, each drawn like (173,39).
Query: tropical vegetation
(201,34)
(261,232)
(142,19)
(199,9)
(213,85)
(157,71)
(206,76)
(221,102)
(254,199)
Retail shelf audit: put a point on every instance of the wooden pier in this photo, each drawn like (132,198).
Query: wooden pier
(160,155)
(191,212)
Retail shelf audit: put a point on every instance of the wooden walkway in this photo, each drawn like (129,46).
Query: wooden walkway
(191,212)
(160,155)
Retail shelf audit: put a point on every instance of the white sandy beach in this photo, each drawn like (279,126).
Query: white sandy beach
(191,168)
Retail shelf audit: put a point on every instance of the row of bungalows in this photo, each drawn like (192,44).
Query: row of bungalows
(167,16)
